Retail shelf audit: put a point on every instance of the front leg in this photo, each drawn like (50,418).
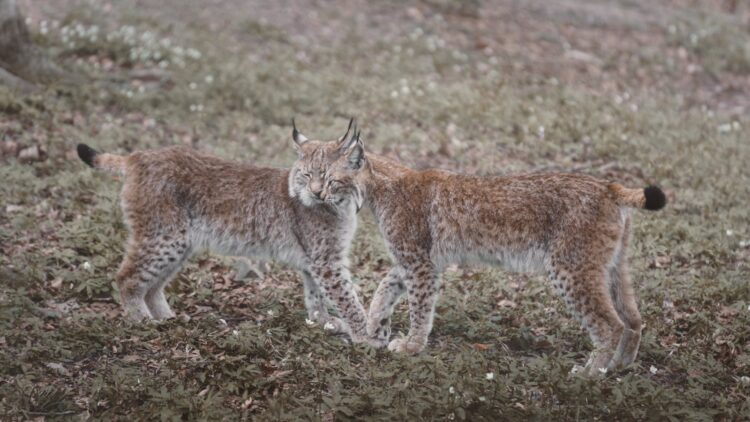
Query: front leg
(389,291)
(423,287)
(335,282)
(317,309)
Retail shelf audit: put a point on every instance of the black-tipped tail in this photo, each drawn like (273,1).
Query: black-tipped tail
(87,154)
(655,198)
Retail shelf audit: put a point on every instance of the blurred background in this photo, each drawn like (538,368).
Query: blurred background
(630,90)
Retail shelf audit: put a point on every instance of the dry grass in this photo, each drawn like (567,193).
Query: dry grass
(434,84)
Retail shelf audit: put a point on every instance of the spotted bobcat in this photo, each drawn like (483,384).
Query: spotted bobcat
(177,201)
(572,227)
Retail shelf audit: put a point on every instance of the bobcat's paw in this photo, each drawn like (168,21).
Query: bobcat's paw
(336,326)
(379,329)
(599,363)
(409,345)
(372,342)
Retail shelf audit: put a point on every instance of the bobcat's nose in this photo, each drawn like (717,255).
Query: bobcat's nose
(318,194)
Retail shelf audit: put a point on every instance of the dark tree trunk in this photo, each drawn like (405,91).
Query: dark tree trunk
(22,64)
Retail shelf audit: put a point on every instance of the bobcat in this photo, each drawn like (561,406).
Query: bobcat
(177,201)
(575,228)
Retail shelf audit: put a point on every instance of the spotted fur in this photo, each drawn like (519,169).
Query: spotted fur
(574,228)
(177,201)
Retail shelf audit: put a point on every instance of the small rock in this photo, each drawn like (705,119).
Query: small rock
(505,303)
(58,368)
(56,283)
(9,209)
(32,154)
(9,149)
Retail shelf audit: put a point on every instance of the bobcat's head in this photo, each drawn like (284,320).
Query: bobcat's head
(326,172)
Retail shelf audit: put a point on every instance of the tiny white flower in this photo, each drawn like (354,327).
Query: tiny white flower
(490,375)
(653,369)
(222,321)
(270,312)
(745,380)
(163,64)
(482,398)
(602,370)
(329,326)
(452,390)
(316,314)
(193,53)
(209,79)
(193,85)
(235,333)
(576,369)
(730,232)
(726,127)
(86,266)
(268,332)
(309,322)
(394,94)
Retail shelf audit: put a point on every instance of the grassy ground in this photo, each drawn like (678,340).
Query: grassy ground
(625,90)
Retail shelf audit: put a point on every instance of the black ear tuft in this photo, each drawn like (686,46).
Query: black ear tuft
(298,138)
(87,154)
(655,198)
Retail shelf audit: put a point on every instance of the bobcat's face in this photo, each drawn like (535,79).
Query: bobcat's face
(325,172)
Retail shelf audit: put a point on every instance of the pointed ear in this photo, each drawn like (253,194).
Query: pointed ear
(297,137)
(348,129)
(356,153)
(346,141)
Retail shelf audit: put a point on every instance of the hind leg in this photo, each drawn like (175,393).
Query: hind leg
(584,289)
(133,288)
(625,303)
(146,269)
(169,253)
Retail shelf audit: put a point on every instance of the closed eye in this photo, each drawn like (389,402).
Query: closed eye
(306,175)
(334,183)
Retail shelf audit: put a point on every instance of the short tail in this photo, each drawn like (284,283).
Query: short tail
(651,198)
(96,160)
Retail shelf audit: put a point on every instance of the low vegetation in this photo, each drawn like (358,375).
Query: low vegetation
(424,91)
